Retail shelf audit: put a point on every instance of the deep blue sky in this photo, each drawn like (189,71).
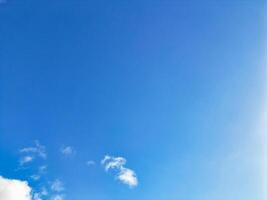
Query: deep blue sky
(175,87)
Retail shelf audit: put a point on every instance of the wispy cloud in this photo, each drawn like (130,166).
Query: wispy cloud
(67,151)
(113,162)
(57,186)
(40,195)
(58,197)
(90,163)
(37,196)
(125,175)
(44,191)
(35,177)
(40,172)
(26,159)
(30,153)
(42,169)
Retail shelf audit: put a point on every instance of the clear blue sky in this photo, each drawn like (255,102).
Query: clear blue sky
(174,87)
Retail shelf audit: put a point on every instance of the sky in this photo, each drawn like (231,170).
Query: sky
(145,99)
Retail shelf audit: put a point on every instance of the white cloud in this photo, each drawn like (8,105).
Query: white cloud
(128,177)
(43,191)
(14,190)
(68,150)
(58,197)
(26,159)
(39,195)
(35,177)
(30,153)
(90,163)
(42,169)
(57,186)
(125,175)
(38,150)
(113,162)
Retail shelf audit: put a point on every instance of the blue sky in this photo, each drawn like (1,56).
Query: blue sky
(171,92)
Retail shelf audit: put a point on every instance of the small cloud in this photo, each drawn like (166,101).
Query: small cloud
(113,162)
(90,163)
(38,150)
(41,194)
(37,196)
(67,151)
(125,175)
(35,177)
(42,169)
(128,177)
(57,186)
(26,159)
(44,191)
(31,153)
(58,197)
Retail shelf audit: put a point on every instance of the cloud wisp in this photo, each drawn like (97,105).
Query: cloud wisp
(40,172)
(38,150)
(90,163)
(67,151)
(41,194)
(58,197)
(26,159)
(57,186)
(125,175)
(29,154)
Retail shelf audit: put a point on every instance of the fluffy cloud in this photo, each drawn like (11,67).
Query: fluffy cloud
(14,190)
(113,162)
(128,177)
(125,175)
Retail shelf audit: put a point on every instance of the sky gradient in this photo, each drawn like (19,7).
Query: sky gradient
(147,100)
